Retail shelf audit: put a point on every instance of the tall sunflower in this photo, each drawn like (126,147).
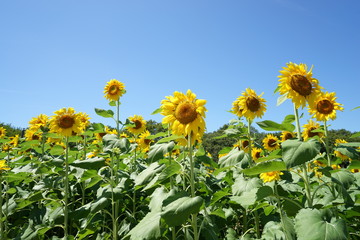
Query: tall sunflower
(309,130)
(249,105)
(2,132)
(185,114)
(114,89)
(140,125)
(324,106)
(297,82)
(271,142)
(66,122)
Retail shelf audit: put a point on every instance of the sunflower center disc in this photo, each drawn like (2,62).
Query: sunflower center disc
(138,124)
(66,122)
(245,144)
(253,103)
(311,133)
(272,143)
(185,113)
(324,106)
(113,90)
(288,136)
(301,85)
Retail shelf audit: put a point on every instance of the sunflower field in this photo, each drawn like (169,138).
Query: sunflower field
(67,178)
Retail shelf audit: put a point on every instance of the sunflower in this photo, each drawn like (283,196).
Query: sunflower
(309,132)
(14,141)
(140,125)
(285,135)
(37,122)
(84,119)
(3,165)
(271,176)
(66,122)
(256,153)
(297,82)
(338,153)
(271,142)
(185,114)
(249,105)
(31,134)
(143,142)
(2,132)
(324,106)
(124,135)
(114,90)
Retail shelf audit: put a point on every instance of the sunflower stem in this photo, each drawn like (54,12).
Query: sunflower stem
(249,139)
(280,211)
(327,144)
(297,122)
(192,186)
(117,117)
(66,210)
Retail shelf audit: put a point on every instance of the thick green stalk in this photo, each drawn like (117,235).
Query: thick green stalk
(304,168)
(297,119)
(192,186)
(249,139)
(113,202)
(327,144)
(66,210)
(117,117)
(280,211)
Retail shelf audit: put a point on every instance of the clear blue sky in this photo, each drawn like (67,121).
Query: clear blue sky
(56,54)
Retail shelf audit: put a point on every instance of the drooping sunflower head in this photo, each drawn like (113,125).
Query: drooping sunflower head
(271,176)
(297,82)
(271,142)
(144,142)
(256,153)
(185,114)
(38,122)
(3,165)
(324,106)
(312,129)
(285,135)
(114,89)
(249,105)
(66,122)
(140,125)
(2,132)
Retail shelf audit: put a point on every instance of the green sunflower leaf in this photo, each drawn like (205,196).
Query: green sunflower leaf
(104,113)
(178,211)
(296,152)
(269,125)
(314,224)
